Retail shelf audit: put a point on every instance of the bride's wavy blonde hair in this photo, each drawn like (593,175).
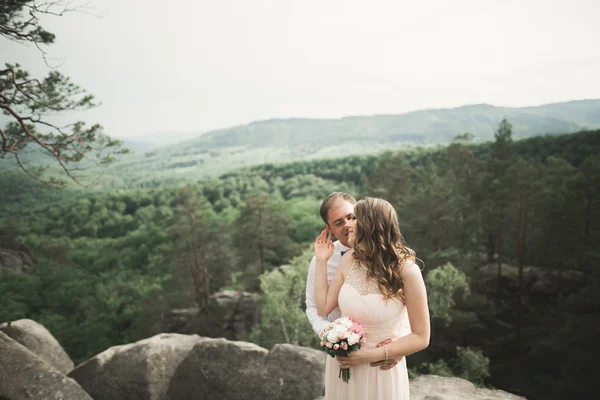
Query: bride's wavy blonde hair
(379,245)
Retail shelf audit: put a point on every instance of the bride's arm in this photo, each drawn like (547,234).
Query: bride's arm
(418,314)
(326,296)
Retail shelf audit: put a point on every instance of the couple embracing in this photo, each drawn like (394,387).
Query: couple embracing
(369,275)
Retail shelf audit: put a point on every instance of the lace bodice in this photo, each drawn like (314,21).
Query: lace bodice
(357,278)
(361,300)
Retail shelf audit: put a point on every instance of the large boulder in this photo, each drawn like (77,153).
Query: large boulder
(40,342)
(432,387)
(220,368)
(26,376)
(291,370)
(140,370)
(228,370)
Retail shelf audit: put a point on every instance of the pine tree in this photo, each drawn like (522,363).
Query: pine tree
(392,180)
(495,190)
(524,187)
(263,237)
(202,244)
(434,206)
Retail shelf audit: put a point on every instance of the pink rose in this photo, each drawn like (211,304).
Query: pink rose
(336,346)
(329,344)
(345,346)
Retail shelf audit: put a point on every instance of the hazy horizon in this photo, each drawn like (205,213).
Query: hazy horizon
(194,68)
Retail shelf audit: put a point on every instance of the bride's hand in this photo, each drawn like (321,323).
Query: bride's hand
(324,246)
(390,363)
(357,357)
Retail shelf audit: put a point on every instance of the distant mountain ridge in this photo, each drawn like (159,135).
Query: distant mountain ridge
(213,153)
(285,140)
(425,126)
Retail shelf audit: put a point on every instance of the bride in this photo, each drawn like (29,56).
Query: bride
(375,284)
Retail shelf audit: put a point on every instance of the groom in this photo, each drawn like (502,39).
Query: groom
(336,211)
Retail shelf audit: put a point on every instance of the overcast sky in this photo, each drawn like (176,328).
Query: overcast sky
(188,66)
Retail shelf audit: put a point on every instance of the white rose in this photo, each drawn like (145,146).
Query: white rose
(353,339)
(333,336)
(340,328)
(345,321)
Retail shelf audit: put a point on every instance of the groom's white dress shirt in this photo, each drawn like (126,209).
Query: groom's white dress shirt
(320,323)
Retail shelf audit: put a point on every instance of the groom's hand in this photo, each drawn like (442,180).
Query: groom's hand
(385,365)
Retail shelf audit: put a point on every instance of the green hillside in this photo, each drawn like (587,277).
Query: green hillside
(286,140)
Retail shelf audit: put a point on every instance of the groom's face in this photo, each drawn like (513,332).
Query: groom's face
(338,220)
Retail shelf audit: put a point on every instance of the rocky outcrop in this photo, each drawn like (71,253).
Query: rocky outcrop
(174,366)
(537,280)
(180,367)
(180,320)
(17,259)
(432,387)
(23,375)
(140,370)
(40,342)
(240,370)
(229,314)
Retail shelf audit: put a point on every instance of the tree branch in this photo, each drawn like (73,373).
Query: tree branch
(28,172)
(4,140)
(27,101)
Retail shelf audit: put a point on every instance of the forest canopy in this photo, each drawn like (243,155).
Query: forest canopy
(507,231)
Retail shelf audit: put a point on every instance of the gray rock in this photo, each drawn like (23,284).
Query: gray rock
(40,342)
(231,370)
(539,280)
(229,314)
(180,320)
(294,372)
(27,376)
(140,370)
(491,270)
(228,370)
(432,387)
(551,281)
(16,260)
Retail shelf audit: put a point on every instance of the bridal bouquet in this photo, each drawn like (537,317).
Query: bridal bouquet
(340,338)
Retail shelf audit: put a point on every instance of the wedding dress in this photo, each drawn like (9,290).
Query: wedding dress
(360,299)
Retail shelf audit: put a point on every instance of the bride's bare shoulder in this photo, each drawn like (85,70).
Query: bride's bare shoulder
(410,269)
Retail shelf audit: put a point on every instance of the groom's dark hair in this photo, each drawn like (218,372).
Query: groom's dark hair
(330,200)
